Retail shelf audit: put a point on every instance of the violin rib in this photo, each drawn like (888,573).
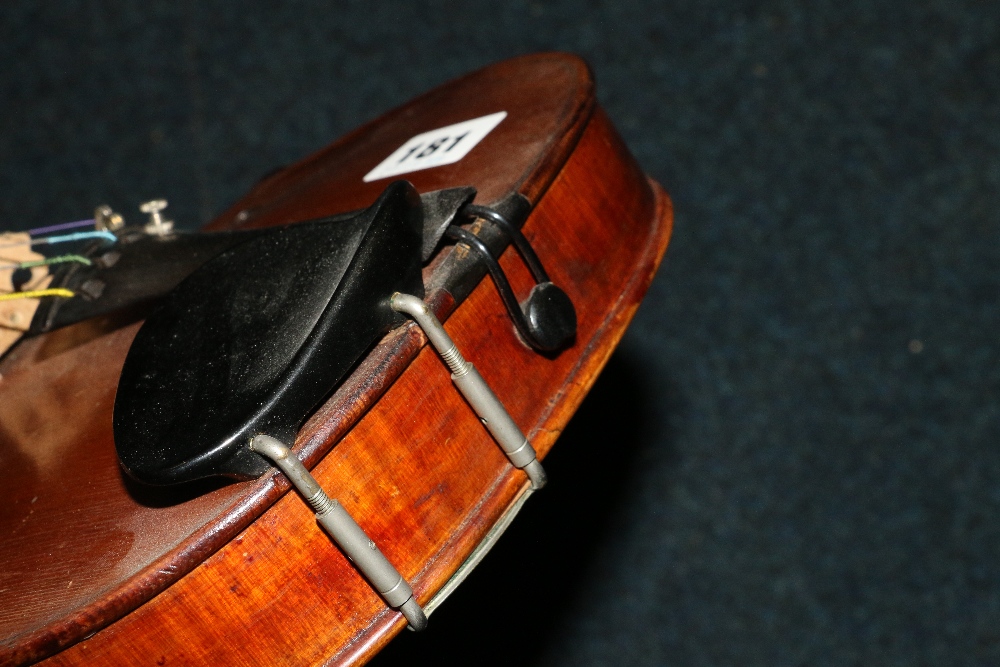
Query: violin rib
(101,570)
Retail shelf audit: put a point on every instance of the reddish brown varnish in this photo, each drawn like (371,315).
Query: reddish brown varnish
(241,574)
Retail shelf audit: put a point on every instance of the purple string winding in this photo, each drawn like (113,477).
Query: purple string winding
(56,228)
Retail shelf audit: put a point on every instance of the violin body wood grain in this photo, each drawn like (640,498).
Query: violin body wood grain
(240,573)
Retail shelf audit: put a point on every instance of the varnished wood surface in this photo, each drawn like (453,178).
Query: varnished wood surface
(418,471)
(57,391)
(547,97)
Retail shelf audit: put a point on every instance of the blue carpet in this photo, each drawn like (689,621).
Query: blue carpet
(806,405)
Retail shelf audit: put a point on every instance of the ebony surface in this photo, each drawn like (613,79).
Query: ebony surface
(805,406)
(280,320)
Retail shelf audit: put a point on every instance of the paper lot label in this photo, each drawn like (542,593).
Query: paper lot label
(444,145)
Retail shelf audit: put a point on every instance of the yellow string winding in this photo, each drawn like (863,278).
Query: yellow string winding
(38,294)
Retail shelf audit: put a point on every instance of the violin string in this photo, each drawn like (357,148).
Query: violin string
(38,294)
(46,262)
(77,236)
(60,227)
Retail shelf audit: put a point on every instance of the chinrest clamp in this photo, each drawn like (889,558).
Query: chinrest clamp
(345,532)
(473,387)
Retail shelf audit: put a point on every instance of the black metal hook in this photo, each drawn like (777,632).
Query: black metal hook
(515,234)
(546,320)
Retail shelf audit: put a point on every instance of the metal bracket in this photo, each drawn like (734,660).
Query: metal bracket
(346,532)
(475,390)
(478,554)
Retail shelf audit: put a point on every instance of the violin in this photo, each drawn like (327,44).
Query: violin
(286,438)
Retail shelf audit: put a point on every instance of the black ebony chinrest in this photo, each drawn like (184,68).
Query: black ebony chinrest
(256,337)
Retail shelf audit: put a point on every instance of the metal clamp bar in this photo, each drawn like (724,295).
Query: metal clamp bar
(475,390)
(345,531)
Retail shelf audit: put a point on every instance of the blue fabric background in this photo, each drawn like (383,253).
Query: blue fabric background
(804,413)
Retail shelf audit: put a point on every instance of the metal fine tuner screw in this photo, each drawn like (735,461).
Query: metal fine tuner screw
(106,220)
(156,225)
